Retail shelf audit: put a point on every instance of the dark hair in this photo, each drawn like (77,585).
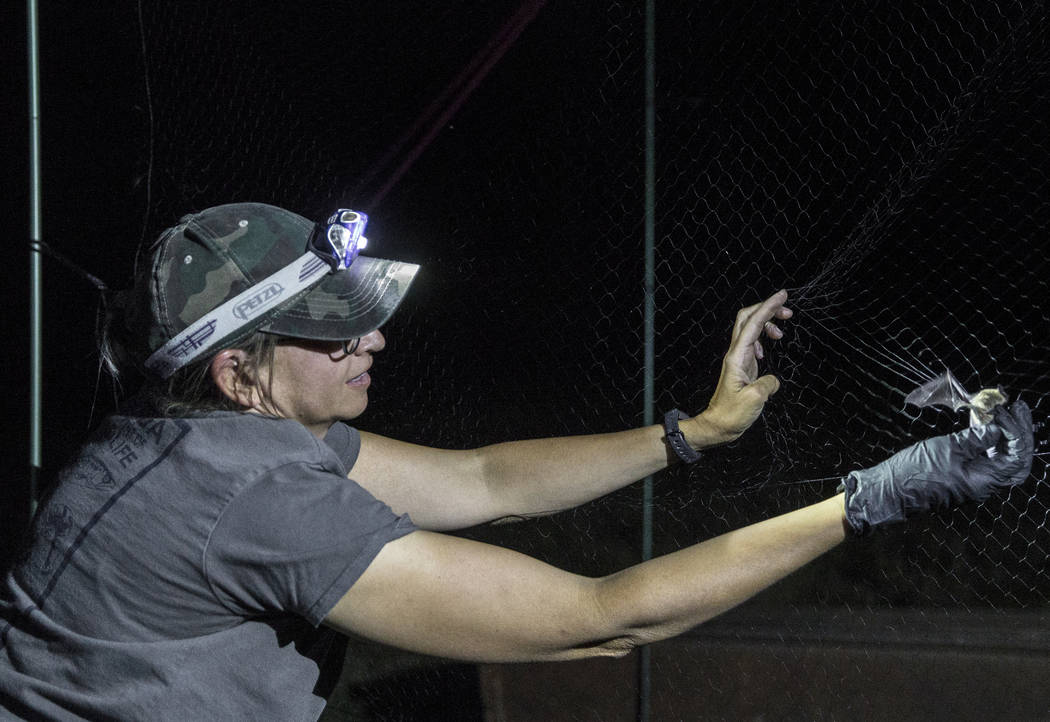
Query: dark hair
(188,391)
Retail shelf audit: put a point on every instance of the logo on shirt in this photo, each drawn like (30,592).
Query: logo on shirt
(56,525)
(93,474)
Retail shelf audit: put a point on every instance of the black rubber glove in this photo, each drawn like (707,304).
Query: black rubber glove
(942,472)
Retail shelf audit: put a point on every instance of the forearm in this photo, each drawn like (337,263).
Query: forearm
(546,475)
(451,489)
(668,595)
(458,598)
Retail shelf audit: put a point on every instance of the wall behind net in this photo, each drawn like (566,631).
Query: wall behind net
(886,165)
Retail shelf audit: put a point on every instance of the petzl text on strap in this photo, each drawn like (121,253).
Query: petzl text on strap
(240,311)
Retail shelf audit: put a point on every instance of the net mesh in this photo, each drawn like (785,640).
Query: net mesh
(888,168)
(886,164)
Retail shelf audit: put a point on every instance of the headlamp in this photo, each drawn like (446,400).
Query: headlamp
(341,239)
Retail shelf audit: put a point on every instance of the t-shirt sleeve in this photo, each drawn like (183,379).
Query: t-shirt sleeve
(296,540)
(345,441)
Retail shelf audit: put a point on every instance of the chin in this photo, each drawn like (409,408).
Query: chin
(354,413)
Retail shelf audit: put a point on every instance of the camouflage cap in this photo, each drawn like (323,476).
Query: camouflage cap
(217,254)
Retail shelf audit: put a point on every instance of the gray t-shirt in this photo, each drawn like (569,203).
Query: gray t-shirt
(181,568)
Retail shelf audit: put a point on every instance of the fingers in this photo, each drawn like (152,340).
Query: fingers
(766,385)
(975,440)
(1016,421)
(780,311)
(1005,467)
(1016,424)
(753,320)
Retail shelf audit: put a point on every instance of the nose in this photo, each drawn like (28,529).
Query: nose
(371,342)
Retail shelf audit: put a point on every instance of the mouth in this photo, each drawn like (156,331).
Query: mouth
(362,379)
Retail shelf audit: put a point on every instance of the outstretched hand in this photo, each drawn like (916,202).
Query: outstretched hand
(741,392)
(944,471)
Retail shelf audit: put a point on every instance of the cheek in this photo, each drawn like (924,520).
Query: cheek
(288,383)
(316,388)
(307,383)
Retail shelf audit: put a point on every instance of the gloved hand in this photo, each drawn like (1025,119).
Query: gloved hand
(942,472)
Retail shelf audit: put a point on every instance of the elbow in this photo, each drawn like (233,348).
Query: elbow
(630,616)
(614,648)
(617,647)
(615,632)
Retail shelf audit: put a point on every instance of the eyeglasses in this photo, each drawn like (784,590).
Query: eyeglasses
(348,347)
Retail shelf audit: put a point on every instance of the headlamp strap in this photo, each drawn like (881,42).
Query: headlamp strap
(241,310)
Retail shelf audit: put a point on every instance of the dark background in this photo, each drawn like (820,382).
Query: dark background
(885,163)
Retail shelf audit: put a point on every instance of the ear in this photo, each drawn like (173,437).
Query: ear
(227,372)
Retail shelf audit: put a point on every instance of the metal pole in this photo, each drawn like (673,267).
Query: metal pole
(35,271)
(649,400)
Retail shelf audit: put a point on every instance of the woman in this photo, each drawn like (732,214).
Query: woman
(201,556)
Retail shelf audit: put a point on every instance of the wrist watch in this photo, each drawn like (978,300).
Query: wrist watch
(676,438)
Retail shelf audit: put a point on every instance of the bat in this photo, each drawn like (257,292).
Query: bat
(945,390)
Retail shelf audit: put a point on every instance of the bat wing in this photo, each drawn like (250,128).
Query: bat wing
(943,390)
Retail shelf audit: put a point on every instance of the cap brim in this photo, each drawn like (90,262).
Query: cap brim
(348,304)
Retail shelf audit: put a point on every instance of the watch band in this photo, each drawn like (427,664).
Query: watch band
(676,438)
